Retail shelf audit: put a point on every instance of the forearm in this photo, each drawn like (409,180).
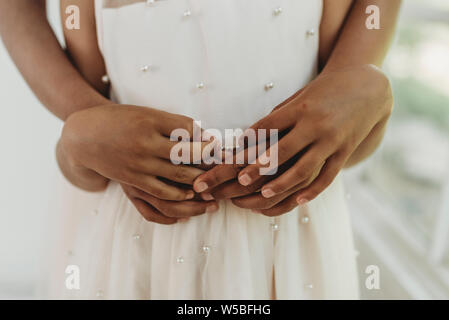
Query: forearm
(50,74)
(41,60)
(368,146)
(359,46)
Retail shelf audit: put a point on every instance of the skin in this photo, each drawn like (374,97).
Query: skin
(72,96)
(336,121)
(46,67)
(41,60)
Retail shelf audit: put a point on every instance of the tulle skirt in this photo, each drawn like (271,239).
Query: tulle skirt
(234,253)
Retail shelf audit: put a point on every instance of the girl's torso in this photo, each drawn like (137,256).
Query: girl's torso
(211,60)
(224,63)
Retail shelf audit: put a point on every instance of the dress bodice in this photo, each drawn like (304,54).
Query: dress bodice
(224,63)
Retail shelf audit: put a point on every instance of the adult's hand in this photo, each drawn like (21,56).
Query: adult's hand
(131,145)
(327,122)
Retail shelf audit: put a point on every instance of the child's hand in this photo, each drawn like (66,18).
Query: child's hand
(163,211)
(130,145)
(328,121)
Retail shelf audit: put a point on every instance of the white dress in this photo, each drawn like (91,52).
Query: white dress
(210,60)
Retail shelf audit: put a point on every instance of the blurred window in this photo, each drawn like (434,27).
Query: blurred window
(408,179)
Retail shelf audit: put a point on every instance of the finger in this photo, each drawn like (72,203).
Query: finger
(225,172)
(178,173)
(161,190)
(233,189)
(288,100)
(302,170)
(276,155)
(203,166)
(284,206)
(280,119)
(258,203)
(187,152)
(171,122)
(216,176)
(289,203)
(149,213)
(178,209)
(185,209)
(330,170)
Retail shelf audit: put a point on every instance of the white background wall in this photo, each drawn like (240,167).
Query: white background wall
(28,134)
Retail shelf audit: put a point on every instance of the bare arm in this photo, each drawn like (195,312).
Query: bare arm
(358,45)
(71,96)
(82,44)
(342,115)
(333,20)
(35,50)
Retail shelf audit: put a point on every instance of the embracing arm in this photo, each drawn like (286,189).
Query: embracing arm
(35,50)
(337,120)
(357,46)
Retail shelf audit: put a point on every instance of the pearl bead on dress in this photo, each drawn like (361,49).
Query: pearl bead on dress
(200,85)
(309,286)
(180,260)
(187,13)
(136,237)
(99,293)
(305,220)
(206,249)
(277,11)
(145,68)
(274,227)
(269,86)
(310,32)
(105,79)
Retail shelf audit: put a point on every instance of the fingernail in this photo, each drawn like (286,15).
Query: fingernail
(212,208)
(302,201)
(245,179)
(268,193)
(207,196)
(201,186)
(263,159)
(190,195)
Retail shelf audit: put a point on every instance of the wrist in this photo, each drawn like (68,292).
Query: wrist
(373,81)
(335,67)
(78,175)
